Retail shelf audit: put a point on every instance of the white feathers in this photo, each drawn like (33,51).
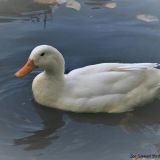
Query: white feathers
(111,87)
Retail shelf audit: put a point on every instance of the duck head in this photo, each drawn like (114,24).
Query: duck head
(46,57)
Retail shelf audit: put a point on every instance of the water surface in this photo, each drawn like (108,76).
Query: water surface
(94,34)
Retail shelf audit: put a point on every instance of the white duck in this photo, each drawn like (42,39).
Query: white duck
(112,87)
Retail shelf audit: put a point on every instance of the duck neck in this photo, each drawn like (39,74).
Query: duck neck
(56,72)
(56,69)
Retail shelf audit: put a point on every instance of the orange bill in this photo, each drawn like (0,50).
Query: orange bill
(27,68)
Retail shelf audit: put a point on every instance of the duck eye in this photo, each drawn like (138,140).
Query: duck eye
(42,54)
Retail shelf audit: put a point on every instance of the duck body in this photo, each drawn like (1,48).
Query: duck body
(111,88)
(105,87)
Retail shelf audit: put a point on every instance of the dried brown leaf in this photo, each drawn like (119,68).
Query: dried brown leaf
(73,4)
(110,5)
(147,18)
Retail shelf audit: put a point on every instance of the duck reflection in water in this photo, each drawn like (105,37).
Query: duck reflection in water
(52,119)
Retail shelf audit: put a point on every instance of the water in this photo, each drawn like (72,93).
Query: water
(92,35)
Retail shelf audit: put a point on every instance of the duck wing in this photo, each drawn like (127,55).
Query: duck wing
(111,87)
(113,78)
(108,67)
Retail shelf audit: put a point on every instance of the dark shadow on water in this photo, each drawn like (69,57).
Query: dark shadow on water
(37,11)
(130,122)
(52,120)
(29,10)
(18,7)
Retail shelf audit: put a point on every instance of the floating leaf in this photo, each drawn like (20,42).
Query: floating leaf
(110,5)
(147,18)
(73,4)
(46,1)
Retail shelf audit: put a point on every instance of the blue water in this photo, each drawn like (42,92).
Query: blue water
(92,35)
